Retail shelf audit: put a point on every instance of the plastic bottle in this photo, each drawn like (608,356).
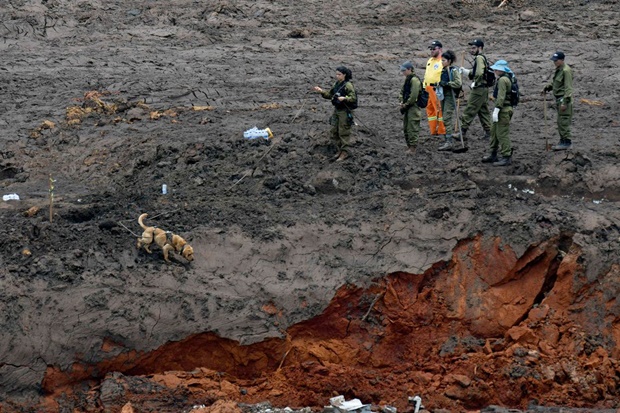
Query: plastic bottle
(164,189)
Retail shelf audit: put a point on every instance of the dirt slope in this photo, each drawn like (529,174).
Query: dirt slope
(311,278)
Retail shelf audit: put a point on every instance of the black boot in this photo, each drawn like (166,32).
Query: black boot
(490,158)
(563,145)
(447,146)
(503,161)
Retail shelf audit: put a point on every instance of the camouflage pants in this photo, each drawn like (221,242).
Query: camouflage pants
(340,132)
(411,125)
(564,120)
(477,104)
(500,133)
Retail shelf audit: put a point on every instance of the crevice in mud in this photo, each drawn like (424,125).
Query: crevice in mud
(564,243)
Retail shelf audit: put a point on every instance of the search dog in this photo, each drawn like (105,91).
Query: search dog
(166,240)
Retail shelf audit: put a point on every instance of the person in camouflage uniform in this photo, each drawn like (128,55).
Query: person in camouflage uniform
(408,106)
(450,84)
(562,88)
(502,114)
(478,101)
(344,99)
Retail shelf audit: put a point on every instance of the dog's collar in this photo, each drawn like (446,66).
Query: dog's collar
(182,249)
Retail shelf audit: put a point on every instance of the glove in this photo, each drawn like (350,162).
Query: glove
(462,70)
(546,89)
(473,85)
(403,110)
(495,115)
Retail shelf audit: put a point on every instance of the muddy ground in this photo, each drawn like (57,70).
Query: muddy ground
(111,100)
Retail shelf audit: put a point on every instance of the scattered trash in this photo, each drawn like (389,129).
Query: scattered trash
(339,405)
(591,102)
(164,189)
(417,402)
(527,191)
(9,197)
(32,211)
(598,201)
(255,133)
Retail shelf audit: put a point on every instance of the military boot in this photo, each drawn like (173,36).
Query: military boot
(503,161)
(447,144)
(490,158)
(563,145)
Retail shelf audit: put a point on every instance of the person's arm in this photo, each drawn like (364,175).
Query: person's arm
(327,94)
(503,86)
(415,90)
(568,86)
(455,82)
(350,95)
(478,77)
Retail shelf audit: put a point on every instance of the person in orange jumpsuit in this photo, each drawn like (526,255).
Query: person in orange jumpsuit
(432,77)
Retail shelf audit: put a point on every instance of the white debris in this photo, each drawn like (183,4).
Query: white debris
(9,197)
(354,405)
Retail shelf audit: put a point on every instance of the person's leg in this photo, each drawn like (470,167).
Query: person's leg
(493,145)
(474,103)
(564,123)
(483,112)
(333,131)
(502,133)
(432,111)
(344,131)
(415,119)
(448,107)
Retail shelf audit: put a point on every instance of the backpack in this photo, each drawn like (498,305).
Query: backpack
(514,91)
(353,105)
(422,100)
(489,75)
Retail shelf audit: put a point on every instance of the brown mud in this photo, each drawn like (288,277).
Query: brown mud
(381,277)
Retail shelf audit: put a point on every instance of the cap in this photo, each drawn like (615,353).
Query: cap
(406,65)
(477,43)
(557,56)
(501,65)
(434,44)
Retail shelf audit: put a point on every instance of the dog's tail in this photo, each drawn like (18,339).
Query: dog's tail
(141,219)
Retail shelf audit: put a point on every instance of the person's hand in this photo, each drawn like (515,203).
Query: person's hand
(495,115)
(403,109)
(546,89)
(562,107)
(341,98)
(318,89)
